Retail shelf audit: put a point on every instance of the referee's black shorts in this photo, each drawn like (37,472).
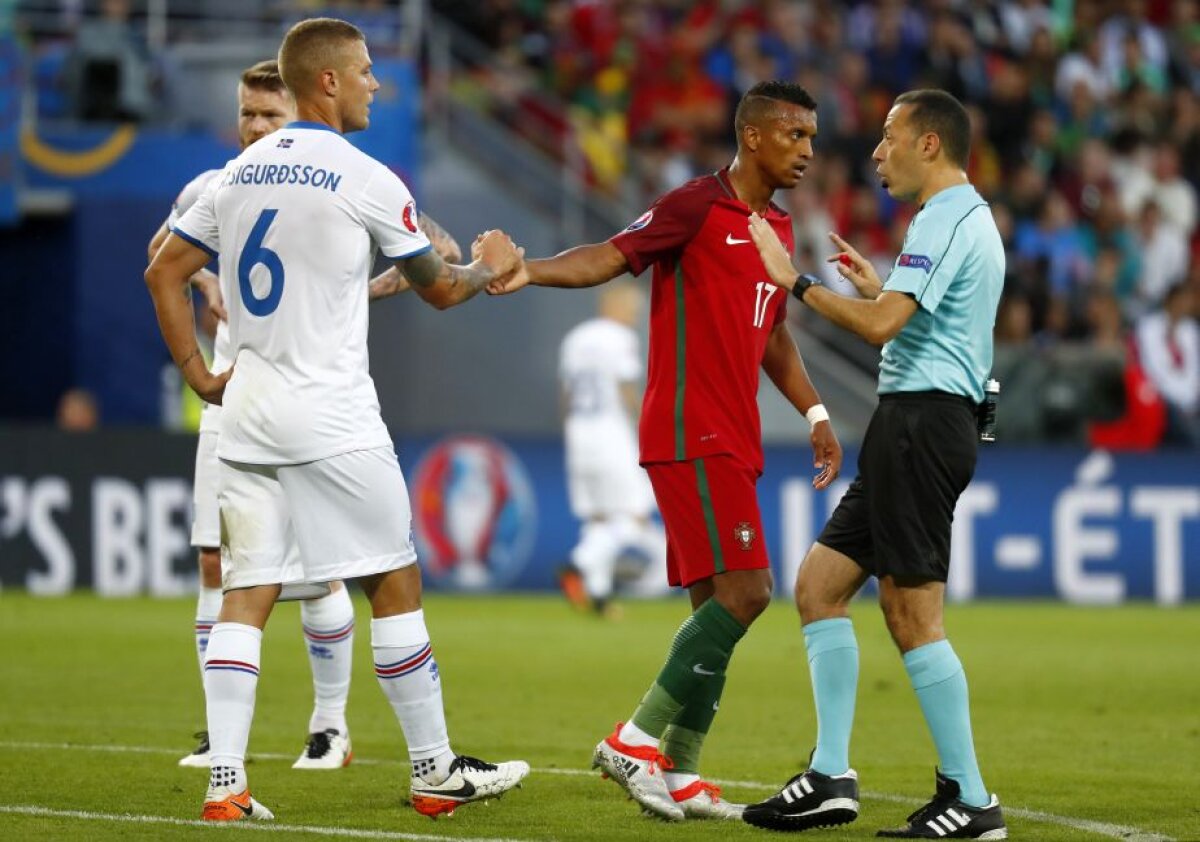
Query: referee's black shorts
(916,458)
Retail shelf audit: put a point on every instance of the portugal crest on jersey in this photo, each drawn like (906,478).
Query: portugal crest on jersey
(744,534)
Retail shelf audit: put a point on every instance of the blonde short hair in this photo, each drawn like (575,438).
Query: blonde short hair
(312,46)
(264,76)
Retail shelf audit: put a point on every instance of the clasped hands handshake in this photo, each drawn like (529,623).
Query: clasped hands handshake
(496,250)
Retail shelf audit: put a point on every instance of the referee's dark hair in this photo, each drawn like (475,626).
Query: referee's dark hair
(940,113)
(755,102)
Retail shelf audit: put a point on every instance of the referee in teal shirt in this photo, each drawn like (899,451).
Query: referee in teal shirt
(934,318)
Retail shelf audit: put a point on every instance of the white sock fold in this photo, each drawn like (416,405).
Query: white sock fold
(631,735)
(230,684)
(408,675)
(329,636)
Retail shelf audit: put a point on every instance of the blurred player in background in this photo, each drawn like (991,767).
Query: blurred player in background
(264,105)
(600,368)
(934,317)
(307,469)
(715,321)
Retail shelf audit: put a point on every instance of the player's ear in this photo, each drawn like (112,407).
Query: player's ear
(931,144)
(751,137)
(328,80)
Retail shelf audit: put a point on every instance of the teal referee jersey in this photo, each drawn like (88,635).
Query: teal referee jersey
(952,264)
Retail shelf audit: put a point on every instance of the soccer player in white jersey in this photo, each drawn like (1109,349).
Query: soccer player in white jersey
(600,368)
(264,105)
(304,455)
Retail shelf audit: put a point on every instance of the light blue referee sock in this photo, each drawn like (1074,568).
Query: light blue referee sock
(937,676)
(833,665)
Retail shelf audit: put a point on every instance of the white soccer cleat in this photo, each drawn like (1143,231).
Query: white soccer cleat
(470,780)
(222,804)
(639,769)
(702,800)
(328,749)
(198,758)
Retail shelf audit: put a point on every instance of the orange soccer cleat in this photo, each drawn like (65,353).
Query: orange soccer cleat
(222,805)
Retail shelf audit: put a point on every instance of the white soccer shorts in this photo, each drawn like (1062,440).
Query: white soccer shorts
(338,518)
(607,481)
(206,520)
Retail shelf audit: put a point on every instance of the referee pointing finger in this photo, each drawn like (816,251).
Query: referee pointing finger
(933,315)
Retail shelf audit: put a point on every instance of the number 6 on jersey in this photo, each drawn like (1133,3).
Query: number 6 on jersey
(761,301)
(255,253)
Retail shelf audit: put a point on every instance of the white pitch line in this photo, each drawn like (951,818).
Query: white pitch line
(1113,831)
(268,827)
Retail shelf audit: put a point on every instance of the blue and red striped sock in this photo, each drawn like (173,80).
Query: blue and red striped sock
(208,608)
(230,685)
(329,636)
(408,675)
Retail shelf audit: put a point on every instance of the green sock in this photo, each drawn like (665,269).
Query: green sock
(699,653)
(684,738)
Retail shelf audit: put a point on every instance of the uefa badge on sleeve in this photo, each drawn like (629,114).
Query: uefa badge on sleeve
(744,534)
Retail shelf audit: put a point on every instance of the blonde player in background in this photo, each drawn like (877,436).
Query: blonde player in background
(264,105)
(305,456)
(600,368)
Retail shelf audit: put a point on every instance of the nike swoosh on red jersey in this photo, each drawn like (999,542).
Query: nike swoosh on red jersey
(730,241)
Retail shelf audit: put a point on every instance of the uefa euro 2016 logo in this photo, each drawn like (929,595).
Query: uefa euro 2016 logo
(474,513)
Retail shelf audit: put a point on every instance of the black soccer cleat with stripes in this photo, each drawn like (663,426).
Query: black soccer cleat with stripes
(808,800)
(946,817)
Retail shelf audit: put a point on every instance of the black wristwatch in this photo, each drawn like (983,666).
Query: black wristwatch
(803,281)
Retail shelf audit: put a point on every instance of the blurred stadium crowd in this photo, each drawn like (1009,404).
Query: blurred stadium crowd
(1086,118)
(1086,140)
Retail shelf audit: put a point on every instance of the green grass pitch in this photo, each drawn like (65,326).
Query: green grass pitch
(1087,720)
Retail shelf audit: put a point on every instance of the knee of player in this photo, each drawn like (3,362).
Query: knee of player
(814,600)
(809,603)
(210,564)
(749,602)
(909,626)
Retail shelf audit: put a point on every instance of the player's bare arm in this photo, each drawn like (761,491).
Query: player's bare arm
(387,283)
(784,365)
(582,266)
(445,284)
(168,277)
(392,281)
(205,281)
(876,320)
(443,243)
(160,237)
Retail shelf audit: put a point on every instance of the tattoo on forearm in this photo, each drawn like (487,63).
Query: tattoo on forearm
(424,269)
(432,230)
(458,283)
(465,281)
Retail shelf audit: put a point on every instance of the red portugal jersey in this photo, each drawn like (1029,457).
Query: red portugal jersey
(712,309)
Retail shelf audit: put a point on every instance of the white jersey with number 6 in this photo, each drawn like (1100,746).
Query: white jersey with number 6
(296,220)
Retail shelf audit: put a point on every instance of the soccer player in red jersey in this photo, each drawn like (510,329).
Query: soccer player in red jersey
(715,319)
